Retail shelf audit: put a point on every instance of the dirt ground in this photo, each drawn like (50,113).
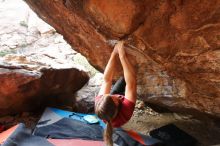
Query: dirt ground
(205,130)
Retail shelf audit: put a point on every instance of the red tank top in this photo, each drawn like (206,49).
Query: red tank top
(125,112)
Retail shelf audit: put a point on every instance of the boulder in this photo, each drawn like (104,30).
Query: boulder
(30,82)
(173,44)
(84,98)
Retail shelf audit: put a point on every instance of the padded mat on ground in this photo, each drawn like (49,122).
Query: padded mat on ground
(173,136)
(19,135)
(131,138)
(59,124)
(75,142)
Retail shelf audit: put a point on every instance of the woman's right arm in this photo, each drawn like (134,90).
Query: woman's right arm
(129,74)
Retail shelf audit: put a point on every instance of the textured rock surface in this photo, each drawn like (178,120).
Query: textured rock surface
(28,83)
(175,44)
(85,96)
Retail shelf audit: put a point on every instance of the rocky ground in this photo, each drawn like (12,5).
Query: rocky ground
(22,33)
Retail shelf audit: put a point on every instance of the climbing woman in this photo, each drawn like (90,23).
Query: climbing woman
(116,109)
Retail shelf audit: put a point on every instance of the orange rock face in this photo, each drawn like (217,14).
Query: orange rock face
(113,18)
(174,44)
(29,85)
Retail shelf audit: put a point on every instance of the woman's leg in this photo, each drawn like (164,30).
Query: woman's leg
(119,87)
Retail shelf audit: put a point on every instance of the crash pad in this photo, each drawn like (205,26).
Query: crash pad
(19,135)
(171,135)
(75,142)
(5,134)
(62,125)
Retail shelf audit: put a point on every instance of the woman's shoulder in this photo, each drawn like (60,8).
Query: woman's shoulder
(128,102)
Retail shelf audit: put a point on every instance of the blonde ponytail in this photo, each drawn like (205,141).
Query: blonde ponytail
(108,134)
(106,109)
